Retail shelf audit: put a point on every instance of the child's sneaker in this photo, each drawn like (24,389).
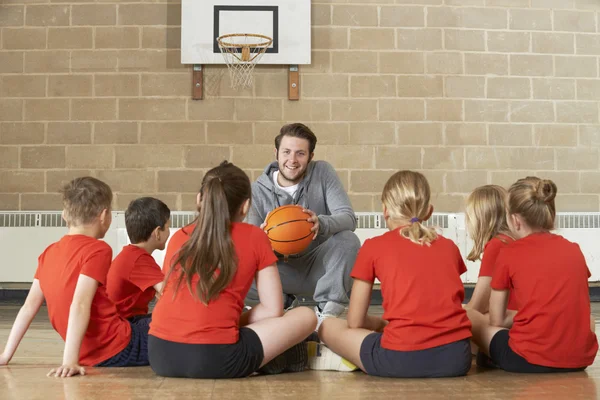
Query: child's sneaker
(320,357)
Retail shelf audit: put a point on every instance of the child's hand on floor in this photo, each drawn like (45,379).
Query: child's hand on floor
(4,359)
(65,371)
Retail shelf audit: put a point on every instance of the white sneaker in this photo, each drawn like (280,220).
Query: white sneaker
(320,357)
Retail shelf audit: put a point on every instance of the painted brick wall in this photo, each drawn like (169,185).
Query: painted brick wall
(468,91)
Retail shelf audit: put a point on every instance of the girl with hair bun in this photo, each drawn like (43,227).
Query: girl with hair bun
(548,274)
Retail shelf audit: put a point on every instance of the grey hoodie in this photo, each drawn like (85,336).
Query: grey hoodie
(319,191)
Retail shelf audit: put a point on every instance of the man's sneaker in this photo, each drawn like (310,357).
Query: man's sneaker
(331,310)
(320,357)
(290,301)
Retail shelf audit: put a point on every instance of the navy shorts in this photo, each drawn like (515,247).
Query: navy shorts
(136,352)
(137,318)
(505,358)
(452,359)
(207,361)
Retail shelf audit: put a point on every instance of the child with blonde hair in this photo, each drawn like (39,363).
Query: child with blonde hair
(551,330)
(424,331)
(488,228)
(198,329)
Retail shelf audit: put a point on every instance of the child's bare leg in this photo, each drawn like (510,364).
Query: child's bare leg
(592,324)
(342,340)
(279,334)
(483,333)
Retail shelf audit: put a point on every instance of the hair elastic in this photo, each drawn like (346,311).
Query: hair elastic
(415,219)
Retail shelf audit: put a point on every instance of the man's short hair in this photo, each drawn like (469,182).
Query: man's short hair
(297,130)
(143,216)
(84,199)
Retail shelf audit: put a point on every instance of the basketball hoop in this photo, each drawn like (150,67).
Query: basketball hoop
(241,52)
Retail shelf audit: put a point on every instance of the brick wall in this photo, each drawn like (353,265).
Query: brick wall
(468,91)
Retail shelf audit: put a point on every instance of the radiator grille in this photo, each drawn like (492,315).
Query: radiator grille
(376,221)
(578,221)
(46,219)
(179,219)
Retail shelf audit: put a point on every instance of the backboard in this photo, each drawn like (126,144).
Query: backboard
(287,22)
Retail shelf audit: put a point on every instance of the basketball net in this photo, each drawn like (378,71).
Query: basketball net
(241,52)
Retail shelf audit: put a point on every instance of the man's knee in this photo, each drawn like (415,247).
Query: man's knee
(347,240)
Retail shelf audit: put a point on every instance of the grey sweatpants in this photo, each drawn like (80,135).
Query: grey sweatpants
(323,273)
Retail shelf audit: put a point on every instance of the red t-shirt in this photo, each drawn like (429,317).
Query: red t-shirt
(421,289)
(549,276)
(58,270)
(488,262)
(131,278)
(181,317)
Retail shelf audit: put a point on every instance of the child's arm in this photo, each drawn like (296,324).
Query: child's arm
(32,305)
(480,300)
(79,318)
(359,305)
(158,287)
(498,303)
(268,285)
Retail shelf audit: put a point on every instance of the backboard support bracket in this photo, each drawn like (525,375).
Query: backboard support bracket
(197,82)
(293,83)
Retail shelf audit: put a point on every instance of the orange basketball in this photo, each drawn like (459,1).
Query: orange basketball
(288,229)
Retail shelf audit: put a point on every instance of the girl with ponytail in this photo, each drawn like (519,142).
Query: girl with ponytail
(548,275)
(198,329)
(424,331)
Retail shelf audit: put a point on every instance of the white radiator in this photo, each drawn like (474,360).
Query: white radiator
(24,235)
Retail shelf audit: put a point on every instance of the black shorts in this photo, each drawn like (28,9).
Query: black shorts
(136,352)
(207,361)
(505,358)
(452,359)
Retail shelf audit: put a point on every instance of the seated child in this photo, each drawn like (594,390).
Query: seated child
(134,277)
(198,329)
(424,331)
(488,228)
(71,277)
(551,330)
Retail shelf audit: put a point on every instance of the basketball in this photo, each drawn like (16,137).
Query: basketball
(288,229)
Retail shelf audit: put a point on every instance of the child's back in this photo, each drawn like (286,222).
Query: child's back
(71,278)
(425,329)
(58,272)
(134,276)
(549,275)
(421,289)
(131,280)
(553,330)
(182,318)
(198,329)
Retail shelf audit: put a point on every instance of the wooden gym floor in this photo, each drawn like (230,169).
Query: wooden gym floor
(41,349)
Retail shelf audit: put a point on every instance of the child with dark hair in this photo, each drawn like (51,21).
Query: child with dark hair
(135,277)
